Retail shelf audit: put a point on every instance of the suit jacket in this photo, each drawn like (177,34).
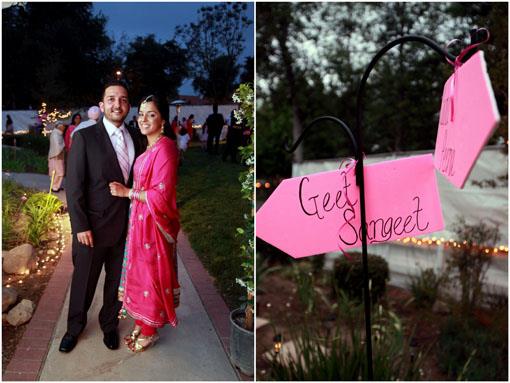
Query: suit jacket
(91,166)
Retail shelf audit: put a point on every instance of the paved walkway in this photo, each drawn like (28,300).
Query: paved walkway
(194,350)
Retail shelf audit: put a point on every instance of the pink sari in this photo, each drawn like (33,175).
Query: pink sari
(150,278)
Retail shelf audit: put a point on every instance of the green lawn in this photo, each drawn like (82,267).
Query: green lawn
(21,160)
(211,208)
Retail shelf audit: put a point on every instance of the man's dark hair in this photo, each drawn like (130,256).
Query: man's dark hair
(110,83)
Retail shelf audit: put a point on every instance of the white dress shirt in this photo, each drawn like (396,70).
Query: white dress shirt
(111,129)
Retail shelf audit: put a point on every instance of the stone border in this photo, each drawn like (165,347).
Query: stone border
(33,347)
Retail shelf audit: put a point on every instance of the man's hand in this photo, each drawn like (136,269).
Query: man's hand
(85,238)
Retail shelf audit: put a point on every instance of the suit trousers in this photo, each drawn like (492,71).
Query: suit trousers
(88,263)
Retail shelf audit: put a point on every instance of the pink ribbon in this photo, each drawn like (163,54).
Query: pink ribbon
(351,164)
(457,63)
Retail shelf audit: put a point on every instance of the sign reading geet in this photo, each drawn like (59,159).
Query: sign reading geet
(320,213)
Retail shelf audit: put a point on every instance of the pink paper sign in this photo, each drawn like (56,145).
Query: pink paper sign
(319,213)
(468,118)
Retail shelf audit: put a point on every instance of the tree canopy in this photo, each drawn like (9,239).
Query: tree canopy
(311,56)
(53,52)
(154,67)
(214,45)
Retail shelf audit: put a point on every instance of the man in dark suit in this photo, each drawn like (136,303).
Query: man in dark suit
(99,155)
(215,123)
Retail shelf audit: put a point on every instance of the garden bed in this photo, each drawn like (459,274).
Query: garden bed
(31,288)
(28,217)
(279,303)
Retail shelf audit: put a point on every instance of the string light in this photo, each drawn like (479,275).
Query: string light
(277,345)
(499,250)
(51,117)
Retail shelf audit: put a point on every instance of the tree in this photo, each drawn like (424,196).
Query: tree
(154,67)
(55,52)
(248,74)
(214,45)
(326,48)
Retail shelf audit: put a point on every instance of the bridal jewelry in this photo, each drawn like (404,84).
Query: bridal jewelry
(155,142)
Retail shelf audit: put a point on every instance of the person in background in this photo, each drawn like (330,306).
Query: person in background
(182,143)
(215,123)
(234,139)
(203,137)
(133,124)
(9,127)
(75,121)
(56,157)
(189,126)
(93,114)
(175,126)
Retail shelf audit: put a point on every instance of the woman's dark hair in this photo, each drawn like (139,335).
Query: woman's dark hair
(74,116)
(8,120)
(163,109)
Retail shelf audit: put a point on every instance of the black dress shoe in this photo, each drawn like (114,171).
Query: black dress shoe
(111,340)
(68,342)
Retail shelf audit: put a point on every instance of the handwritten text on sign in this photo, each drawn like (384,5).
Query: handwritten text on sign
(319,213)
(468,118)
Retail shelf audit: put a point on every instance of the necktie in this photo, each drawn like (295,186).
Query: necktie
(122,153)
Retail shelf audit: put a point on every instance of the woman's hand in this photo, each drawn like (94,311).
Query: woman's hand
(118,190)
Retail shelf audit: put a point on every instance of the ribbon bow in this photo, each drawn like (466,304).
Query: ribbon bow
(457,63)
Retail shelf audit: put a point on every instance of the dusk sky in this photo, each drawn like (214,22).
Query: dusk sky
(140,19)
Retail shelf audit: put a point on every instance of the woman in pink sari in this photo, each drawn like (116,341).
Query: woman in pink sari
(149,286)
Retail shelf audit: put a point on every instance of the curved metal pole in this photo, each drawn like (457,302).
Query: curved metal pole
(360,178)
(343,125)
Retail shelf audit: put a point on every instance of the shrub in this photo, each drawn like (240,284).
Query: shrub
(23,161)
(471,261)
(470,351)
(340,356)
(40,209)
(425,287)
(13,197)
(37,143)
(348,276)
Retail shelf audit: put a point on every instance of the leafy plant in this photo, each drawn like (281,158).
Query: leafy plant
(244,95)
(303,276)
(263,270)
(425,287)
(348,275)
(470,351)
(40,209)
(471,261)
(13,197)
(340,356)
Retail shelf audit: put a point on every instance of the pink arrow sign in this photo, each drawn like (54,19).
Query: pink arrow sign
(468,118)
(319,213)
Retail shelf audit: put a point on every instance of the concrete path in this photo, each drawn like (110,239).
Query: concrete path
(195,350)
(190,351)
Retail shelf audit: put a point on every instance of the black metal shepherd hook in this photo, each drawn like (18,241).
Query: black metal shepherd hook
(357,145)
